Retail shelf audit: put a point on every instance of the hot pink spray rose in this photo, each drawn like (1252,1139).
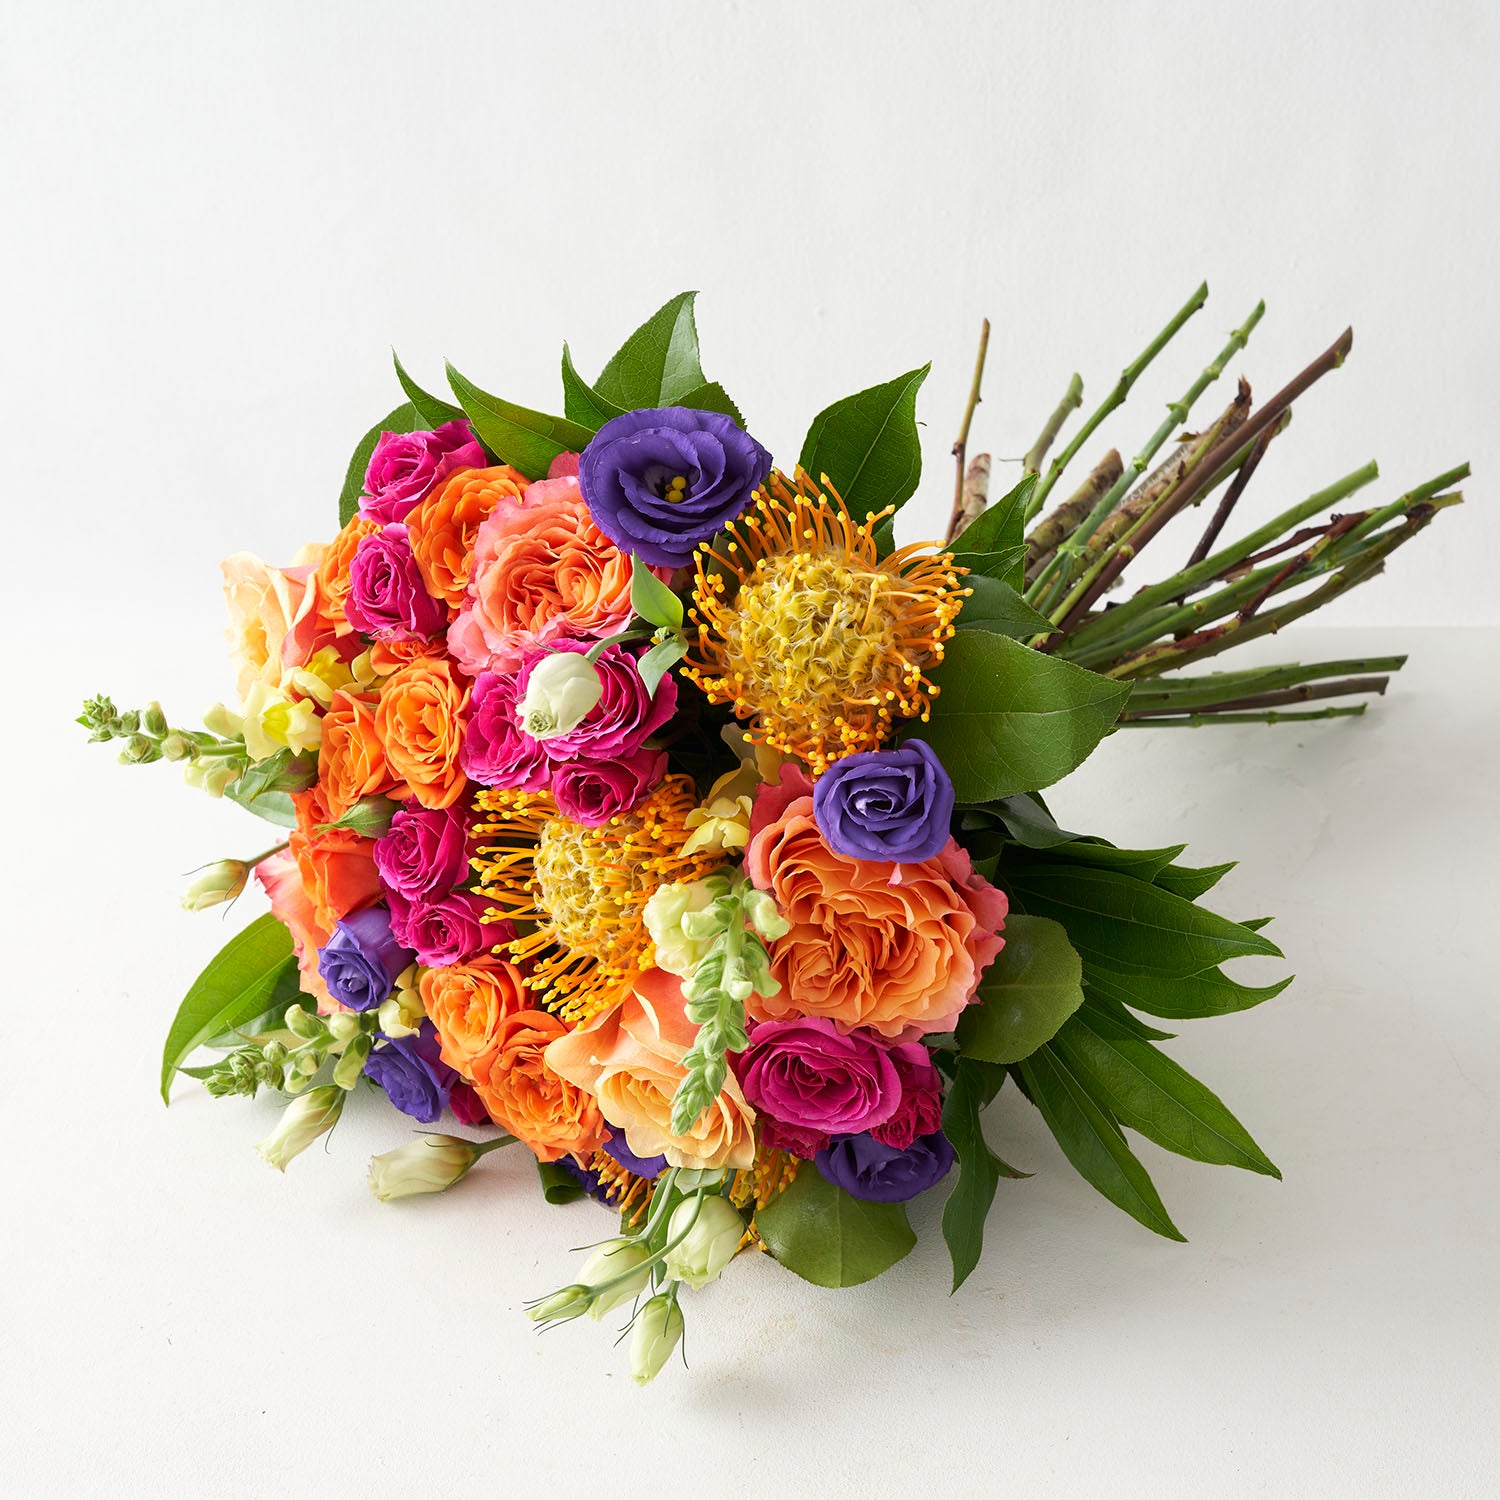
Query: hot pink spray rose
(808,1074)
(387,597)
(405,465)
(593,792)
(496,750)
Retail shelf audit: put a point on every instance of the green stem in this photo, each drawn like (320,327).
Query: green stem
(1219,687)
(1128,377)
(266,854)
(1308,692)
(1071,401)
(961,446)
(1271,716)
(483,1148)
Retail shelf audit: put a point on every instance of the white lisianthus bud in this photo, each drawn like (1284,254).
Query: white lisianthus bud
(303,1120)
(657,1333)
(429,1164)
(220,882)
(560,691)
(571,1302)
(616,1258)
(710,1244)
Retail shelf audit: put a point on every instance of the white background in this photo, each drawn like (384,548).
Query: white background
(216,219)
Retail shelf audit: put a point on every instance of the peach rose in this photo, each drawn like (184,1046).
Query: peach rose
(524,1095)
(467,1003)
(265,605)
(281,879)
(630,1059)
(442,528)
(542,569)
(351,760)
(420,724)
(337,866)
(901,958)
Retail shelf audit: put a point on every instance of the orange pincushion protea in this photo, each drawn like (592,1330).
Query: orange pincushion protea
(577,894)
(814,638)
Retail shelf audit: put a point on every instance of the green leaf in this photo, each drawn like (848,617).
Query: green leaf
(997,607)
(369,817)
(526,440)
(1110,1018)
(867,445)
(274,807)
(558,1184)
(979,1169)
(1011,720)
(1129,927)
(1148,1092)
(1001,528)
(1092,1140)
(711,397)
(239,984)
(1139,864)
(405,418)
(582,403)
(659,660)
(284,771)
(1029,823)
(1191,883)
(830,1238)
(651,599)
(658,364)
(1185,998)
(433,410)
(1031,988)
(1000,565)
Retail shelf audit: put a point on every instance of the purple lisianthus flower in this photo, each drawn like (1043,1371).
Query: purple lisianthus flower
(360,962)
(642,1166)
(387,597)
(406,465)
(869,1169)
(890,805)
(443,929)
(413,1074)
(425,852)
(496,750)
(662,479)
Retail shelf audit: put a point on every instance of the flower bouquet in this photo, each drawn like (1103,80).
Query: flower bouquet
(648,808)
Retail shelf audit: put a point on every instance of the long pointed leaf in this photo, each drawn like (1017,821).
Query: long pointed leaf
(658,364)
(867,444)
(979,1169)
(526,440)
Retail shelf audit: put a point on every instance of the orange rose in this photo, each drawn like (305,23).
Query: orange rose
(337,867)
(525,1096)
(864,950)
(542,569)
(443,526)
(420,724)
(467,1003)
(351,760)
(281,879)
(332,578)
(630,1059)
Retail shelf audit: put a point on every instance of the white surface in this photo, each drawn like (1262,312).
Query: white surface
(216,220)
(178,1320)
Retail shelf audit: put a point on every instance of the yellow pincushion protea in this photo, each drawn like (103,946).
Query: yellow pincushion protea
(577,894)
(819,643)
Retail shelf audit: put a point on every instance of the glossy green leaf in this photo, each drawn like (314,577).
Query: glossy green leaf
(659,660)
(1189,882)
(1092,1140)
(240,983)
(1032,987)
(658,364)
(370,817)
(581,402)
(651,599)
(1110,1018)
(273,807)
(830,1238)
(405,418)
(284,771)
(1139,864)
(1128,926)
(558,1184)
(1000,565)
(1183,998)
(867,445)
(711,397)
(1027,820)
(1012,720)
(433,410)
(526,440)
(1146,1091)
(997,607)
(979,1169)
(1001,528)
